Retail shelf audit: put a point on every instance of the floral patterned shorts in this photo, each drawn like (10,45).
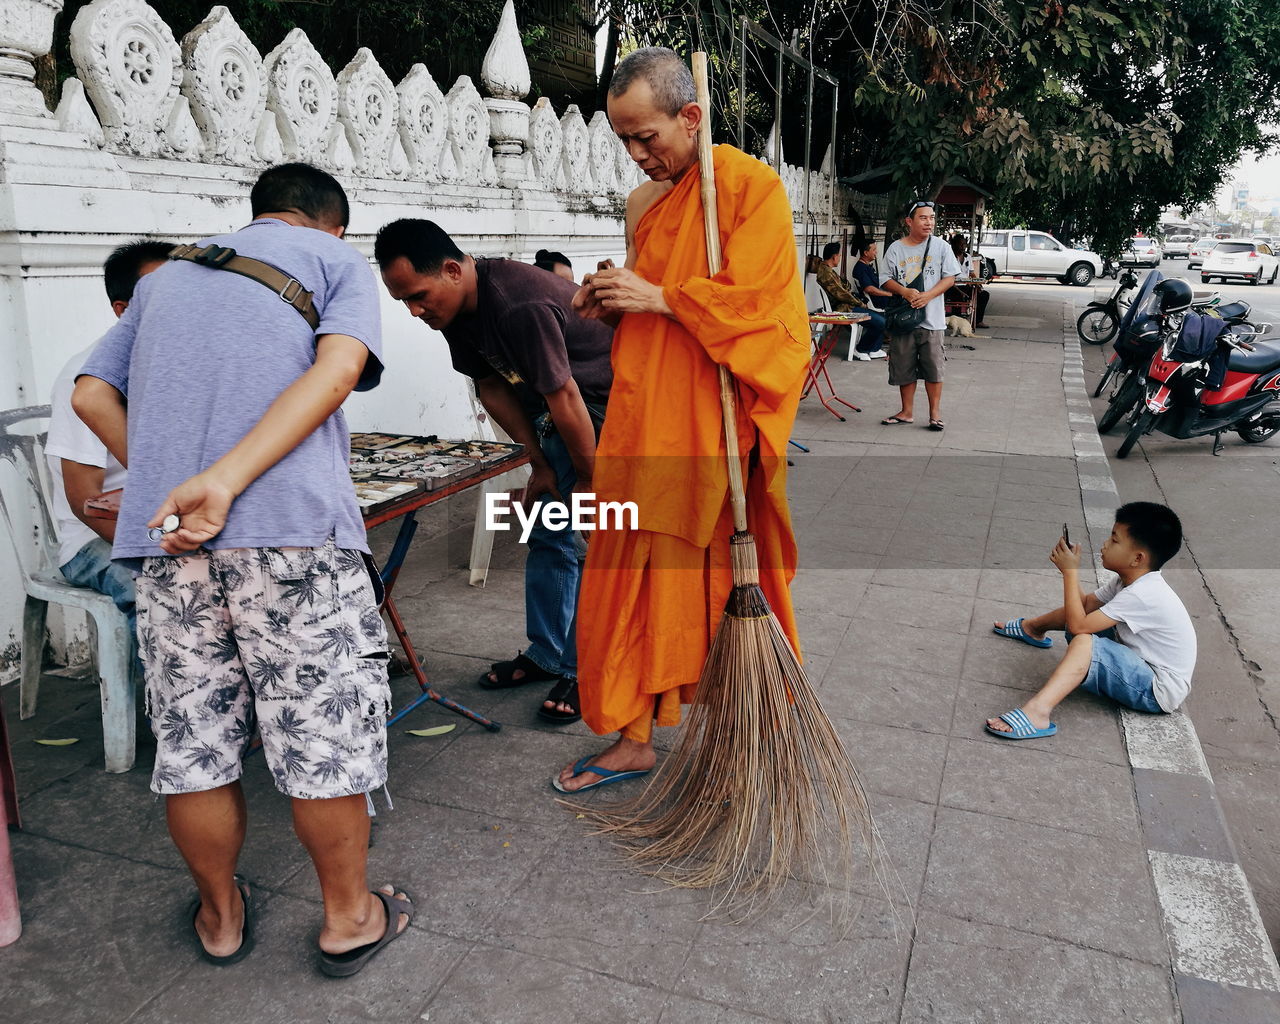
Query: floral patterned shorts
(287,640)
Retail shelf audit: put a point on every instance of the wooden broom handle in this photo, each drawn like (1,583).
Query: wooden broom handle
(711,224)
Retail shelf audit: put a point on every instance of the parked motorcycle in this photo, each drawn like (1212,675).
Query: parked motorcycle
(1100,320)
(1209,378)
(1139,337)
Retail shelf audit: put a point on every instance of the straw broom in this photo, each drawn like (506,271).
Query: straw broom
(759,788)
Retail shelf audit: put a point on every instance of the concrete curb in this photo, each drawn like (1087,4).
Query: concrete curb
(1224,969)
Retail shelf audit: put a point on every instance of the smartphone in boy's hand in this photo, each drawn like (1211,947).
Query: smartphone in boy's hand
(1066,535)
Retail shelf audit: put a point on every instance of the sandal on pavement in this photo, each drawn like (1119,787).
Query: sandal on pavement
(506,674)
(891,421)
(608,776)
(1021,726)
(564,692)
(1014,631)
(343,965)
(246,931)
(936,425)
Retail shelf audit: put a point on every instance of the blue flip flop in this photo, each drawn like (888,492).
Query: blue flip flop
(1014,631)
(1022,727)
(609,776)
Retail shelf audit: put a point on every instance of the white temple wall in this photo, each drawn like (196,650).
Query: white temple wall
(161,134)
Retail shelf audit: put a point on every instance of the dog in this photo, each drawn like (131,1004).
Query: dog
(958,325)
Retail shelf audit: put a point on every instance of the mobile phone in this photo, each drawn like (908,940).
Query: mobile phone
(1066,535)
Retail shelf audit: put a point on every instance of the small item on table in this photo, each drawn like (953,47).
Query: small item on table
(376,442)
(104,506)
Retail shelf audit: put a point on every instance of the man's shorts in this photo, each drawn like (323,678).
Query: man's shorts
(289,640)
(1115,671)
(915,356)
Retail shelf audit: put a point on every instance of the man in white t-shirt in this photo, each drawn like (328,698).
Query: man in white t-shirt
(1131,639)
(918,354)
(80,465)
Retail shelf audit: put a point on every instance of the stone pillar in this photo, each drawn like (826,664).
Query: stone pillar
(26,32)
(505,76)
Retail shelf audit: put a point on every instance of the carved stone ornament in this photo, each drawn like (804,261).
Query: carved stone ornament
(504,72)
(182,137)
(26,32)
(224,79)
(469,134)
(303,95)
(627,170)
(423,123)
(576,154)
(369,109)
(545,144)
(130,65)
(603,153)
(267,142)
(75,115)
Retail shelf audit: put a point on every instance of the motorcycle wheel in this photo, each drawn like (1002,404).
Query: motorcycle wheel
(1107,374)
(1096,326)
(1141,425)
(1125,398)
(1255,434)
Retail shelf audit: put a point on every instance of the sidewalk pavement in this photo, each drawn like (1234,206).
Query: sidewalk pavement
(1042,881)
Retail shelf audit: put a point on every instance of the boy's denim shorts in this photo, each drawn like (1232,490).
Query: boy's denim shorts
(1115,671)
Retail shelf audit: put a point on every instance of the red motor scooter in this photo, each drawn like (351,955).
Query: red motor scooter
(1190,392)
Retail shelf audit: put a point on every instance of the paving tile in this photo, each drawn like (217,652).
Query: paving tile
(505,986)
(909,550)
(1031,783)
(947,612)
(790,966)
(963,972)
(889,695)
(995,659)
(819,589)
(936,578)
(1093,891)
(602,903)
(96,918)
(896,762)
(823,632)
(910,647)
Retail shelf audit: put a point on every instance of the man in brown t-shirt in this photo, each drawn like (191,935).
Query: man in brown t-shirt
(543,373)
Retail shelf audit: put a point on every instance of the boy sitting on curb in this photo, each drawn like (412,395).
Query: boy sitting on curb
(1130,640)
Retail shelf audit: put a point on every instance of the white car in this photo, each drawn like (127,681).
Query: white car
(1200,248)
(1141,252)
(1178,246)
(1243,258)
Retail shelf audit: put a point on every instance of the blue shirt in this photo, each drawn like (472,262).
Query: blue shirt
(201,354)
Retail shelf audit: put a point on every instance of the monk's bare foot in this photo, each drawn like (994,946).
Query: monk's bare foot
(1040,719)
(342,936)
(1034,634)
(624,756)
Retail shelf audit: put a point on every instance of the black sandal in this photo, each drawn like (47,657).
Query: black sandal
(506,670)
(564,692)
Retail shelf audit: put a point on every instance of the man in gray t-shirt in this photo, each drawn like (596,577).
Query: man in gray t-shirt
(918,355)
(255,603)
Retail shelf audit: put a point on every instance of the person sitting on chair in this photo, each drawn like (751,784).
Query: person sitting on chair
(843,300)
(960,293)
(80,465)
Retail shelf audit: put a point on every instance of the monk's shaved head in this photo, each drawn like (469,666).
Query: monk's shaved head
(668,76)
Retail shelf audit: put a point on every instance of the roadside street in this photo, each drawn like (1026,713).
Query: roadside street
(1228,506)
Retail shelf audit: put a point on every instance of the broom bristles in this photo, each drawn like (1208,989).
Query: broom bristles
(759,789)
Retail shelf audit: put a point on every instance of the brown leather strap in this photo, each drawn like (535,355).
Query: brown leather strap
(221,257)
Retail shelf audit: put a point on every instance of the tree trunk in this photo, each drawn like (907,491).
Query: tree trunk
(610,59)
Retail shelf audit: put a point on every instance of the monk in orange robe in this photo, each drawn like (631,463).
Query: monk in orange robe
(652,597)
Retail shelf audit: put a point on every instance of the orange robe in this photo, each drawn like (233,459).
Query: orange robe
(652,597)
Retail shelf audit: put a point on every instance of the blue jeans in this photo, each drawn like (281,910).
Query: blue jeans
(872,332)
(552,573)
(1117,672)
(92,567)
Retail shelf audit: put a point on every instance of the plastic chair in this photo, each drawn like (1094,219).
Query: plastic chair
(43,583)
(817,300)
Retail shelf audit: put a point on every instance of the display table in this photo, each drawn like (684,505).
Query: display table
(823,343)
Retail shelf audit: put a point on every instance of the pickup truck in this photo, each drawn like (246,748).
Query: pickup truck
(1037,254)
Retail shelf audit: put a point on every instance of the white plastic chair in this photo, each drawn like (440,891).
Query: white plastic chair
(44,583)
(817,300)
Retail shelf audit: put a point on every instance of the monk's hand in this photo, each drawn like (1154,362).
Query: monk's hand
(625,291)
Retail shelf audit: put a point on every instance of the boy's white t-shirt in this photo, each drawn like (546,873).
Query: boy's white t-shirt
(1152,620)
